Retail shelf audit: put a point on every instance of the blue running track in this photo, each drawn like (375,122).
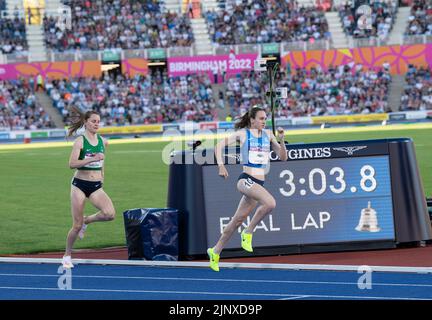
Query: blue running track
(101,282)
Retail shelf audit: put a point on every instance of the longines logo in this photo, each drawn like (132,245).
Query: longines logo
(350,150)
(311,153)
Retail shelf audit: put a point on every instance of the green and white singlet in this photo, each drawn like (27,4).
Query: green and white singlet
(89,151)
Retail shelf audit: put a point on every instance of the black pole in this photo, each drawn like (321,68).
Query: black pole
(270,69)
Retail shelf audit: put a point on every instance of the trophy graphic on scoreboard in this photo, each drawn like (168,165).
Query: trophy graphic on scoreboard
(368,220)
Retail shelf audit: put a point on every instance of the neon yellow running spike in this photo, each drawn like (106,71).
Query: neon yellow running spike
(214,259)
(246,241)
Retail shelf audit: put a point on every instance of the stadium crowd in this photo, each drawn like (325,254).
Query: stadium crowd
(338,90)
(417,94)
(125,100)
(156,98)
(19,109)
(112,24)
(264,21)
(13,35)
(420,20)
(382,19)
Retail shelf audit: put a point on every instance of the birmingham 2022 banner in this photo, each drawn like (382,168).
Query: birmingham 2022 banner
(226,65)
(399,57)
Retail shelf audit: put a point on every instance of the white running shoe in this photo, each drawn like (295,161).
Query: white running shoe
(67,262)
(82,231)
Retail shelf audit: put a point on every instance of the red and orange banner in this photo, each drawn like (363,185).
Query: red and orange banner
(51,70)
(399,57)
(135,66)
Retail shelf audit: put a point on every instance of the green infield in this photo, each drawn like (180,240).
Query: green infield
(35,185)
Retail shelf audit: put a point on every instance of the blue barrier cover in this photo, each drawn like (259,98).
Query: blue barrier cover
(152,233)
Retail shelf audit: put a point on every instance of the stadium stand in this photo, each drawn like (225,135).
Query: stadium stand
(19,109)
(420,20)
(316,92)
(260,21)
(139,100)
(418,90)
(383,17)
(157,98)
(124,24)
(13,35)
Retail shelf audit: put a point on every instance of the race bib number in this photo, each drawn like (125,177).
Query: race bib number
(258,157)
(93,165)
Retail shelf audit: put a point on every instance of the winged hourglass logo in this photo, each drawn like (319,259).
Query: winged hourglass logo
(350,150)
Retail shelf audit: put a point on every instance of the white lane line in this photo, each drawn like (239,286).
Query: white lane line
(235,265)
(366,297)
(211,293)
(151,291)
(217,280)
(294,298)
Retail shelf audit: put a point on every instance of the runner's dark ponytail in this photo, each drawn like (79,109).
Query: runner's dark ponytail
(244,121)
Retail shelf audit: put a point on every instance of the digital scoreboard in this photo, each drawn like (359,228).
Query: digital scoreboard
(329,196)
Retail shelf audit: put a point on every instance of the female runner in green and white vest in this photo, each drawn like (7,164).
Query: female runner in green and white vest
(87,157)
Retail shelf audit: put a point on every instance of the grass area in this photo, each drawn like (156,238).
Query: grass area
(35,185)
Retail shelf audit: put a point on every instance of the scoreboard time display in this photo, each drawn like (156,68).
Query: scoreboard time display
(317,201)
